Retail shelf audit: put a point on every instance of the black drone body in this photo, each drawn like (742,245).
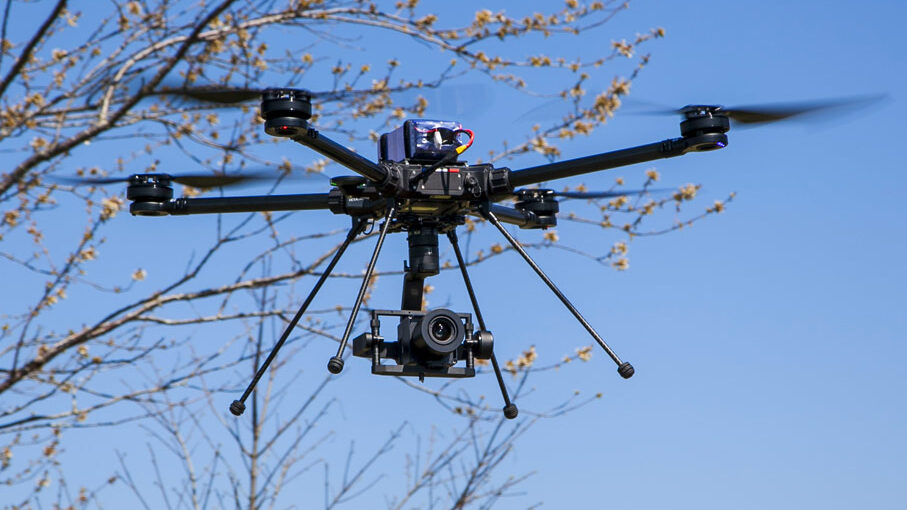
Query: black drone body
(419,186)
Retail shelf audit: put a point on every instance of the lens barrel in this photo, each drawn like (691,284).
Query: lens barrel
(440,332)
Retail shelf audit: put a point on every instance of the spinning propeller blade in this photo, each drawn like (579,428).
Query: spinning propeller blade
(226,95)
(605,194)
(194,180)
(774,112)
(594,194)
(223,95)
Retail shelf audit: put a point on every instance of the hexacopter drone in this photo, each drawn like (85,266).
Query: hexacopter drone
(420,187)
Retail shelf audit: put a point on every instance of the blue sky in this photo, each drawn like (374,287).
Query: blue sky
(768,340)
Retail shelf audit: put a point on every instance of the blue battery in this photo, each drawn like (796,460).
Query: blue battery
(420,141)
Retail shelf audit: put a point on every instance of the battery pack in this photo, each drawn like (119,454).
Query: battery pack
(420,141)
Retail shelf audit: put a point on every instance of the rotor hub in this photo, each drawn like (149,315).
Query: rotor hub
(703,120)
(286,111)
(541,203)
(695,111)
(149,193)
(704,127)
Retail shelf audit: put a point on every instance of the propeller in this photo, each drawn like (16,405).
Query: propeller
(233,95)
(536,192)
(211,94)
(194,180)
(229,95)
(604,194)
(449,98)
(774,112)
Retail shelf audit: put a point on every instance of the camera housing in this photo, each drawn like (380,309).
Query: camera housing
(429,344)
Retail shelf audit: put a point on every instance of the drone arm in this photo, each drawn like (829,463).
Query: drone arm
(352,160)
(623,157)
(301,202)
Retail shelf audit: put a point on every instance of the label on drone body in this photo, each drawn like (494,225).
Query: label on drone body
(441,170)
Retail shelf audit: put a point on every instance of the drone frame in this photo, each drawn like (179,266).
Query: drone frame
(428,198)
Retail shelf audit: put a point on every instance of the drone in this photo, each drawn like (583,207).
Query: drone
(420,186)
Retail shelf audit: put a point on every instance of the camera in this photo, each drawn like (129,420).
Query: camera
(429,344)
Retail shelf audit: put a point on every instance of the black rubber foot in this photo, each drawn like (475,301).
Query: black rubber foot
(626,370)
(237,408)
(510,411)
(335,366)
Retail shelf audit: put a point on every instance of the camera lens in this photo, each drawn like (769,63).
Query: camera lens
(442,330)
(438,333)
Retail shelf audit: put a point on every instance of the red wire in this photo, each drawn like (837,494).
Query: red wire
(472,138)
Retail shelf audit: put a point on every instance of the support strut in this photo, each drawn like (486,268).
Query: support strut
(510,409)
(624,368)
(335,364)
(239,406)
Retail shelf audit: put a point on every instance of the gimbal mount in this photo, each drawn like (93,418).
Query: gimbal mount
(424,197)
